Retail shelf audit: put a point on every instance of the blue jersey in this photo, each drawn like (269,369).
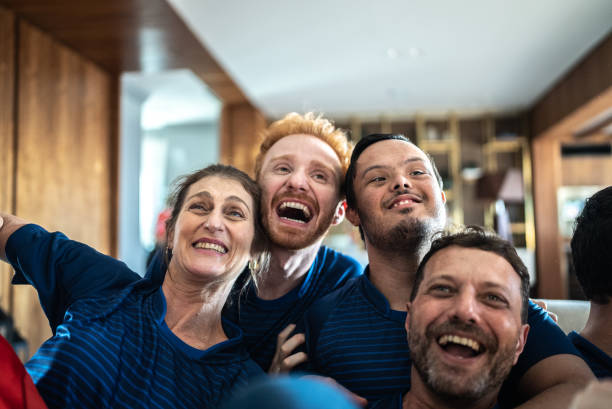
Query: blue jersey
(110,344)
(599,362)
(262,320)
(354,336)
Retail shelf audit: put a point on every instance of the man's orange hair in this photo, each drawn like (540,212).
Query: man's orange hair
(308,124)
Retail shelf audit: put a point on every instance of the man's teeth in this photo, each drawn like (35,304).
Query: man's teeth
(295,205)
(210,246)
(402,202)
(470,343)
(293,220)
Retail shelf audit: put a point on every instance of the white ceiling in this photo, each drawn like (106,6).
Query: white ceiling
(396,57)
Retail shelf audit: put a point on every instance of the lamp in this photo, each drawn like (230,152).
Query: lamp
(505,185)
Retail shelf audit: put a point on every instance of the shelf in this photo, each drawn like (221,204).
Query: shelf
(503,145)
(433,146)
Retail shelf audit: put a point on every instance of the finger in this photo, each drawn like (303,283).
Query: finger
(541,303)
(554,316)
(292,343)
(1,222)
(293,360)
(282,336)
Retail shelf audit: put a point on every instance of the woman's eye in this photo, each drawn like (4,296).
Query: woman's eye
(236,213)
(418,173)
(283,169)
(197,207)
(319,176)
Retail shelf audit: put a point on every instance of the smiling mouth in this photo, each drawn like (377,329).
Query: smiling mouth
(294,211)
(461,347)
(210,246)
(402,203)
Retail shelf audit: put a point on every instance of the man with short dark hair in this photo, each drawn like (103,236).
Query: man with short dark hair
(466,322)
(592,257)
(356,335)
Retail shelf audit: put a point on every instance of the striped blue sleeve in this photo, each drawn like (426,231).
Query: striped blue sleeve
(62,270)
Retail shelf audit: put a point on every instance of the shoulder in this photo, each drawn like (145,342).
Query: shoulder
(331,301)
(545,338)
(316,317)
(390,402)
(337,266)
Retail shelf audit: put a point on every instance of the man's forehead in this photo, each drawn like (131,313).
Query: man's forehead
(461,262)
(307,148)
(390,152)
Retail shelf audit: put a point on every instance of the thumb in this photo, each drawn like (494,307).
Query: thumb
(1,222)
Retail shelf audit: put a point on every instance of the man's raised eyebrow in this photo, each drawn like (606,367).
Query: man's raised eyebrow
(373,167)
(413,159)
(447,277)
(282,157)
(323,165)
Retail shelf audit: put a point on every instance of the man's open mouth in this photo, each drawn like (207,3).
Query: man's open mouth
(294,211)
(461,347)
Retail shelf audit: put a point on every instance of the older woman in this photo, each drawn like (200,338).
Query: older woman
(122,341)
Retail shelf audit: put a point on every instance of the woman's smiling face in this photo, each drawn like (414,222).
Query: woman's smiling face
(212,237)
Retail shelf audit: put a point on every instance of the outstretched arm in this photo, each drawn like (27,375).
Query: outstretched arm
(61,270)
(8,225)
(553,382)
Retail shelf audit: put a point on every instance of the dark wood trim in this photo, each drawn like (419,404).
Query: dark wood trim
(128,35)
(590,77)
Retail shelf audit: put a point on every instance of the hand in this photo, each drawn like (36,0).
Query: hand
(543,305)
(597,395)
(283,361)
(356,399)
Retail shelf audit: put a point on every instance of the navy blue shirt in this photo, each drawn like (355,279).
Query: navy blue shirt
(354,336)
(599,362)
(111,346)
(262,320)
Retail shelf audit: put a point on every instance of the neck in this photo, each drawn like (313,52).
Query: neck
(287,270)
(421,397)
(598,329)
(393,273)
(193,311)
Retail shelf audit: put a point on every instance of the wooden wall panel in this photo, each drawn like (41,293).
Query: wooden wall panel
(240,128)
(548,174)
(128,35)
(65,140)
(584,170)
(591,76)
(7,111)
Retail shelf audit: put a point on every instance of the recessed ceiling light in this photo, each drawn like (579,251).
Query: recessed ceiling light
(392,53)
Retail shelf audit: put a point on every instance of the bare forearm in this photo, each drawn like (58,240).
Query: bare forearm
(554,381)
(8,225)
(557,397)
